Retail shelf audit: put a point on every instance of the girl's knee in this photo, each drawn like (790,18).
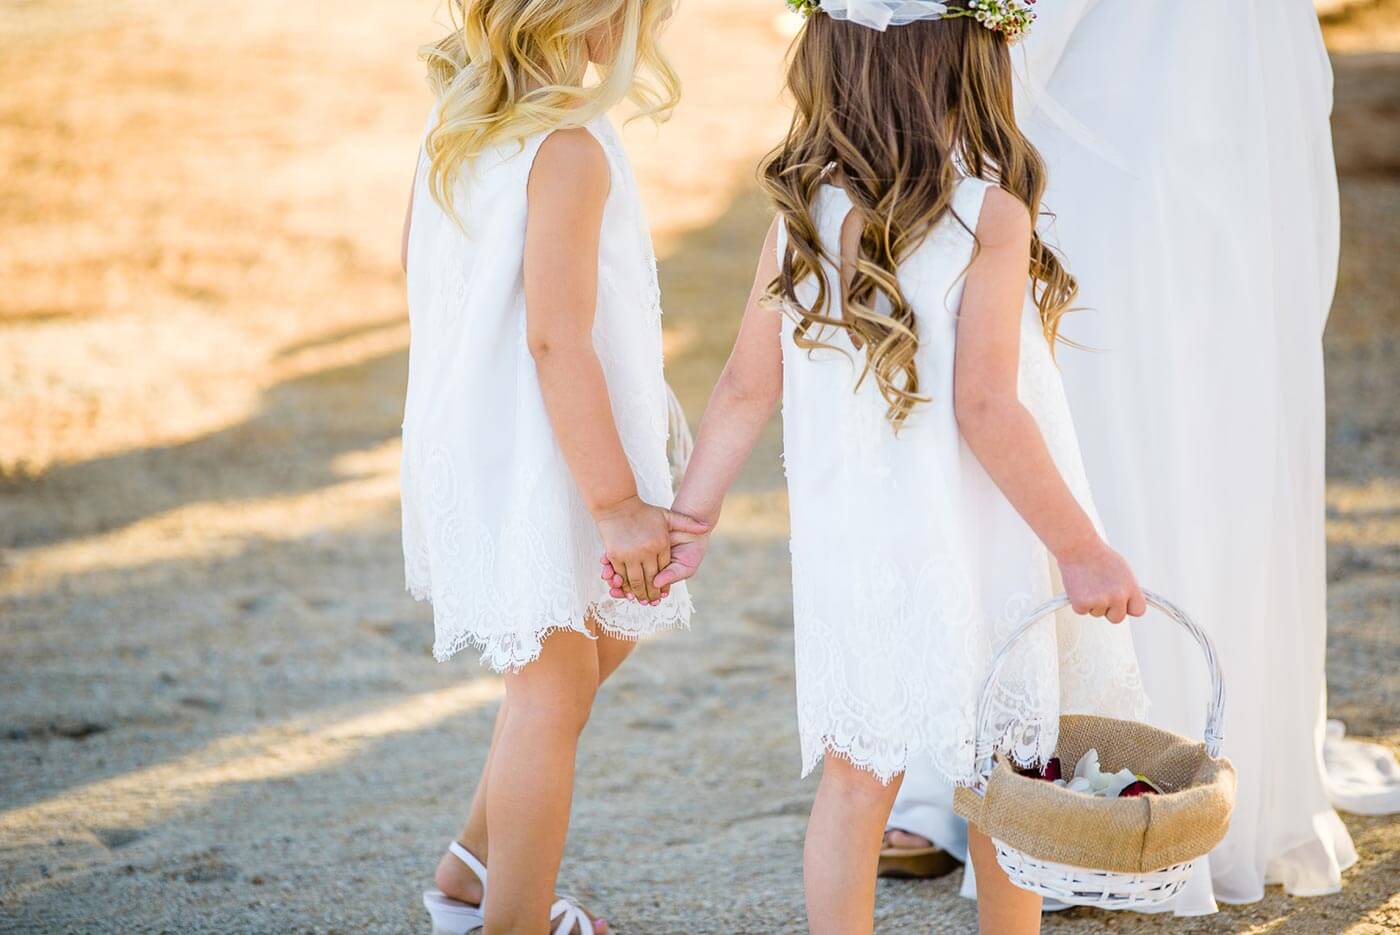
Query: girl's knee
(568,705)
(563,703)
(556,691)
(857,786)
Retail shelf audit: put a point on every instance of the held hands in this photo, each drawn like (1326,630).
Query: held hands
(688,540)
(637,542)
(1100,583)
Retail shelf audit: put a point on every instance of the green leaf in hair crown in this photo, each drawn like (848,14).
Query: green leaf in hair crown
(1008,17)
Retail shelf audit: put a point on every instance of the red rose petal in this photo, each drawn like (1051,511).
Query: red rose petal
(1049,772)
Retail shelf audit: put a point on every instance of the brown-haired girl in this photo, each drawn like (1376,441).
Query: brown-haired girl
(905,311)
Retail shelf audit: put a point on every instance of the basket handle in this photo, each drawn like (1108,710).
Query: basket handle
(1215,712)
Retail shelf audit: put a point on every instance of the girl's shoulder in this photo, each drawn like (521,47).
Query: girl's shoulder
(569,163)
(981,209)
(583,149)
(591,150)
(982,219)
(1003,219)
(579,143)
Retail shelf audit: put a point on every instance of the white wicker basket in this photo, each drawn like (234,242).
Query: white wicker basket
(1081,886)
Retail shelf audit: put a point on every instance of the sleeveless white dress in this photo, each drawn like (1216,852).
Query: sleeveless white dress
(495,531)
(910,567)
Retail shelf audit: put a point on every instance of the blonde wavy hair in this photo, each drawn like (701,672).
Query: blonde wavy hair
(511,68)
(897,118)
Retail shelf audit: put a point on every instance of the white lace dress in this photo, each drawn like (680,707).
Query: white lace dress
(909,565)
(495,531)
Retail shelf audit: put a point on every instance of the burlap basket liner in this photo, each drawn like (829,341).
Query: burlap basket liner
(1127,835)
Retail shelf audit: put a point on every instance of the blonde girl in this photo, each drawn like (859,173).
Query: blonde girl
(535,427)
(905,311)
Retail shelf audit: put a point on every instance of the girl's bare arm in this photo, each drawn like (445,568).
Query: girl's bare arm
(567,190)
(1002,433)
(739,407)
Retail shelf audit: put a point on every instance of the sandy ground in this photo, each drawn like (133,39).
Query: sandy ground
(218,712)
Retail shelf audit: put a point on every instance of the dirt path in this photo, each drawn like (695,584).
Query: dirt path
(217,708)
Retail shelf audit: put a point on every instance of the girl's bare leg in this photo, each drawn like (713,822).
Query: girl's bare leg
(1003,908)
(453,877)
(530,785)
(611,652)
(843,848)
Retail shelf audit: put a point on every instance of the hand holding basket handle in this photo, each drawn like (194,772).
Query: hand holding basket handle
(1098,582)
(1215,712)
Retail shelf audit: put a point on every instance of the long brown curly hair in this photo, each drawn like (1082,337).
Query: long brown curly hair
(897,118)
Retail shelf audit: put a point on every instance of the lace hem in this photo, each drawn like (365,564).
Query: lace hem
(856,750)
(511,651)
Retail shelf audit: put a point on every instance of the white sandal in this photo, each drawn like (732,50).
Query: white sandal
(454,917)
(572,919)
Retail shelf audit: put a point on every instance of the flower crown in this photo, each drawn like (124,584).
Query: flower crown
(1011,18)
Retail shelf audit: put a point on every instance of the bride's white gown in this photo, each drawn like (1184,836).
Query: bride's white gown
(1191,168)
